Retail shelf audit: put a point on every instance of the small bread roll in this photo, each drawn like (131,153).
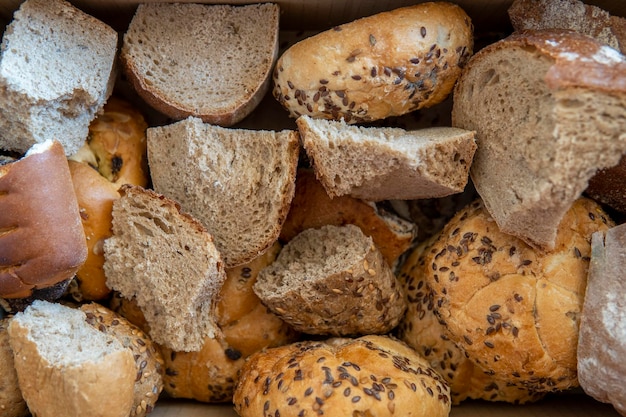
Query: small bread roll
(420,329)
(332,281)
(384,65)
(514,310)
(42,242)
(370,376)
(12,403)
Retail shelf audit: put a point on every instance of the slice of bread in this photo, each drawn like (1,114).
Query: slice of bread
(236,46)
(238,183)
(56,72)
(167,261)
(383,163)
(549,110)
(64,364)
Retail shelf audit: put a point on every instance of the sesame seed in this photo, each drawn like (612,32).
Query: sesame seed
(423,31)
(489,344)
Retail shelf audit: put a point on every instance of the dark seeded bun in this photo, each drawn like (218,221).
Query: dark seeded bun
(514,310)
(384,65)
(372,375)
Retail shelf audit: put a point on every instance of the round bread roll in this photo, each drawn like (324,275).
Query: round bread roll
(420,329)
(12,403)
(116,145)
(384,65)
(332,281)
(372,375)
(514,310)
(42,242)
(149,363)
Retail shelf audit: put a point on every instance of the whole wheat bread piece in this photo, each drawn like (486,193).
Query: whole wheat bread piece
(208,61)
(67,367)
(238,183)
(167,262)
(384,163)
(549,110)
(569,14)
(56,72)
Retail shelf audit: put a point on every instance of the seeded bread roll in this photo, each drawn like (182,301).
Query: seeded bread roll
(43,242)
(12,403)
(512,309)
(236,45)
(311,207)
(373,375)
(420,328)
(602,341)
(334,281)
(388,64)
(549,110)
(66,367)
(149,364)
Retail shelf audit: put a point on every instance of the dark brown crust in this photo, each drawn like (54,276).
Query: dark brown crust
(42,241)
(608,186)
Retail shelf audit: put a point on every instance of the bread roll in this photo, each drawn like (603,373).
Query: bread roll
(332,281)
(12,403)
(43,242)
(602,341)
(374,375)
(512,309)
(384,65)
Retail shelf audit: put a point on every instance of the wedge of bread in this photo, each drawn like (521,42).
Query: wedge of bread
(381,163)
(238,183)
(56,72)
(237,46)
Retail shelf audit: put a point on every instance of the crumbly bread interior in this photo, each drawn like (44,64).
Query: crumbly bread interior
(238,183)
(56,71)
(168,263)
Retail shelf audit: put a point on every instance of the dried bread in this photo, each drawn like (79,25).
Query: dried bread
(56,72)
(512,309)
(64,364)
(379,66)
(311,207)
(570,14)
(237,46)
(601,345)
(548,108)
(12,403)
(384,163)
(43,242)
(168,262)
(332,281)
(369,376)
(238,183)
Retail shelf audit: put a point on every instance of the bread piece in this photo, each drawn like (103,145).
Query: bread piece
(384,65)
(512,309)
(371,375)
(149,364)
(549,110)
(420,329)
(246,325)
(311,207)
(569,14)
(332,281)
(167,261)
(64,365)
(56,72)
(12,403)
(238,183)
(601,345)
(607,186)
(237,46)
(42,242)
(379,163)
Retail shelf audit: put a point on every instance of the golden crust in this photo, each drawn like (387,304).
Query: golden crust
(379,66)
(371,375)
(514,310)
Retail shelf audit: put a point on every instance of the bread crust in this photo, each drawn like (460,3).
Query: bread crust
(379,66)
(371,375)
(40,247)
(12,403)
